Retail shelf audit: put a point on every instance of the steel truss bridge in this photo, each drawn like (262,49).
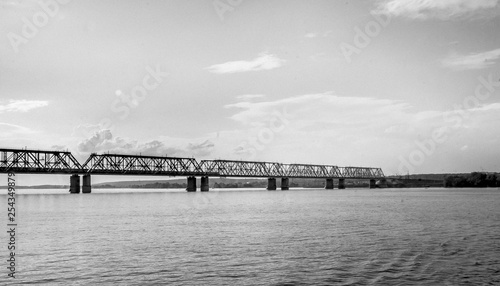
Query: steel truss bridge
(63,162)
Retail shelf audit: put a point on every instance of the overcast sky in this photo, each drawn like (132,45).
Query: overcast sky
(409,86)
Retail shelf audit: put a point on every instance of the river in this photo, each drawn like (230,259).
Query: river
(256,237)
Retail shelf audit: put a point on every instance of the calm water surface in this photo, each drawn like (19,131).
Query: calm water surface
(250,237)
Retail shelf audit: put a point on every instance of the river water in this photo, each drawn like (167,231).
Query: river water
(257,237)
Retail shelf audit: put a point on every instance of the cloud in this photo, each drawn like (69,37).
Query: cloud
(93,143)
(323,106)
(16,4)
(440,9)
(104,141)
(201,149)
(58,147)
(311,35)
(487,107)
(8,130)
(473,61)
(263,62)
(250,96)
(327,128)
(85,130)
(22,105)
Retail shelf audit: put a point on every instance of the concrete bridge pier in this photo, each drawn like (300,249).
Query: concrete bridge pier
(285,184)
(191,184)
(271,184)
(372,184)
(87,187)
(329,184)
(74,184)
(341,183)
(204,184)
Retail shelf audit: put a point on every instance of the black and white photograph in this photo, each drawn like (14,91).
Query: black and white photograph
(250,142)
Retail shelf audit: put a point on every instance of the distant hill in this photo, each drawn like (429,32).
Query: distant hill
(224,183)
(413,180)
(123,184)
(426,176)
(182,182)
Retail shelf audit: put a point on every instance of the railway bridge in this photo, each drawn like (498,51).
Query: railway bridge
(63,162)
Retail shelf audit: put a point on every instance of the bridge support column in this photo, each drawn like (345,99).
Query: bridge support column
(271,184)
(329,184)
(341,183)
(285,184)
(87,187)
(204,184)
(372,184)
(191,184)
(74,184)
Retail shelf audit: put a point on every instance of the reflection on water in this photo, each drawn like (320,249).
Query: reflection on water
(257,237)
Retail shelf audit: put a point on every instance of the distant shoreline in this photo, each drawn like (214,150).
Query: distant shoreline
(475,179)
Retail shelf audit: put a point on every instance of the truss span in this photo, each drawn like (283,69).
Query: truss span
(30,161)
(58,162)
(141,165)
(227,168)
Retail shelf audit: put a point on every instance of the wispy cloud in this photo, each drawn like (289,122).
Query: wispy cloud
(440,9)
(473,61)
(317,34)
(249,96)
(21,105)
(311,35)
(11,131)
(14,128)
(321,107)
(263,62)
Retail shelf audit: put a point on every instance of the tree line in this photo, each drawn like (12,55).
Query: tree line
(473,180)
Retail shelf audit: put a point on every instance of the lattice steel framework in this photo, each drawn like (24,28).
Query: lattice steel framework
(30,161)
(312,171)
(36,161)
(361,172)
(142,165)
(227,168)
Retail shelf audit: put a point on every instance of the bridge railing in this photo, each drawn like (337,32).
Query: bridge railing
(37,161)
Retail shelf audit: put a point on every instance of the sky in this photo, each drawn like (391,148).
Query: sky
(409,86)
